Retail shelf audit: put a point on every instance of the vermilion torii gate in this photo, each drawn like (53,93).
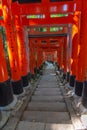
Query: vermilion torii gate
(16,16)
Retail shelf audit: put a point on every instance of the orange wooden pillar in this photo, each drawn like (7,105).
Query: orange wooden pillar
(32,58)
(60,55)
(44,56)
(26,40)
(58,58)
(75,47)
(65,57)
(22,54)
(81,75)
(38,58)
(6,93)
(69,51)
(55,56)
(35,57)
(41,58)
(73,61)
(39,55)
(12,48)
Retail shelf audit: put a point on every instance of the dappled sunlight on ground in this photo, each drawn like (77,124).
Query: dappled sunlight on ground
(59,127)
(53,74)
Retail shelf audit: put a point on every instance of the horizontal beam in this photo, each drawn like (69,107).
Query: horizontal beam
(46,38)
(45,21)
(47,35)
(51,7)
(49,50)
(48,32)
(47,45)
(46,7)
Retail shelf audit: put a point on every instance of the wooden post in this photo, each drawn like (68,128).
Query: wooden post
(12,48)
(81,76)
(6,93)
(65,57)
(22,54)
(75,48)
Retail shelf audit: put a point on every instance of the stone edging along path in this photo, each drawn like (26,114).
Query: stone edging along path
(16,115)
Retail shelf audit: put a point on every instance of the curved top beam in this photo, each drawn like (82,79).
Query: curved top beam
(46,7)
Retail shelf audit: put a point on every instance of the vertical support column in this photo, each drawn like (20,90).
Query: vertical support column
(26,41)
(57,63)
(38,58)
(31,58)
(23,59)
(55,56)
(62,54)
(40,54)
(65,57)
(44,56)
(12,49)
(60,57)
(82,58)
(75,43)
(6,93)
(69,51)
(35,56)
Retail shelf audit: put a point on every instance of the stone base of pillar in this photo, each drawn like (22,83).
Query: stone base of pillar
(84,94)
(9,106)
(35,71)
(25,80)
(68,87)
(17,87)
(26,88)
(67,76)
(21,95)
(29,76)
(72,80)
(41,67)
(33,76)
(64,76)
(58,67)
(78,88)
(6,93)
(41,72)
(38,71)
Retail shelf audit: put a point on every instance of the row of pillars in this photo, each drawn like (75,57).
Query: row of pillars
(72,57)
(36,57)
(21,62)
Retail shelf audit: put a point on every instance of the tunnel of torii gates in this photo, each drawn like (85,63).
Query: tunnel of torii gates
(28,48)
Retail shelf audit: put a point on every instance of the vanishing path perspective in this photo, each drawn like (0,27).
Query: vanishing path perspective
(47,109)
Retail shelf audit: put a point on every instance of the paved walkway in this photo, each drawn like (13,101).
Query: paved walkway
(47,109)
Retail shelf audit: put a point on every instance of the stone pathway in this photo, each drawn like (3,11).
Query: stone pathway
(47,109)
